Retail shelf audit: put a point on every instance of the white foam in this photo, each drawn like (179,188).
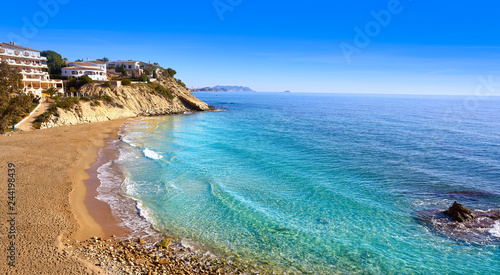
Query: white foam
(495,231)
(109,192)
(152,154)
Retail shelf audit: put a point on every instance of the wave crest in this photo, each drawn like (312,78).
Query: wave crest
(152,154)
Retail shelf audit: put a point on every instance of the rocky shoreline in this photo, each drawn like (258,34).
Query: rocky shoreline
(143,256)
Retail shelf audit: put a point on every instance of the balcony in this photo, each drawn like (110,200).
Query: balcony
(24,55)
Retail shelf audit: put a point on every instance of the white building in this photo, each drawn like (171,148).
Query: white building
(96,70)
(136,67)
(31,64)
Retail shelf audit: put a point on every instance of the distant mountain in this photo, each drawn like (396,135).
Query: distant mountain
(220,88)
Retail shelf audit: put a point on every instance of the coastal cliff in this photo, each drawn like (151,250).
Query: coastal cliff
(102,103)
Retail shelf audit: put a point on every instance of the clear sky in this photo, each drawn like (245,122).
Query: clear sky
(375,46)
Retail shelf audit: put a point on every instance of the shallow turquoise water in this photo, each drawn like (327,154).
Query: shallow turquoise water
(322,183)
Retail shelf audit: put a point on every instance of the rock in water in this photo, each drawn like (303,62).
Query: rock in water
(459,213)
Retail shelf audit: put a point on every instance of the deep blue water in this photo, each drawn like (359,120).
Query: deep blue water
(322,183)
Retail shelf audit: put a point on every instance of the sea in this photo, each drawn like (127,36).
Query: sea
(305,183)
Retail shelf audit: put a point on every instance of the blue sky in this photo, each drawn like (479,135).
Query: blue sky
(406,46)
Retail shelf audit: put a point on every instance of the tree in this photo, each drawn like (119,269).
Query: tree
(121,68)
(51,91)
(133,74)
(170,72)
(54,61)
(12,98)
(104,59)
(72,83)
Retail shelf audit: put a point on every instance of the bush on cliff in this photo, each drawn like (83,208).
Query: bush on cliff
(166,93)
(169,72)
(144,78)
(180,83)
(126,82)
(84,80)
(66,103)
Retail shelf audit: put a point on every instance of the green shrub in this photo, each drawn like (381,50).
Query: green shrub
(66,103)
(108,84)
(126,82)
(107,98)
(181,83)
(84,98)
(84,80)
(96,102)
(144,78)
(42,119)
(166,93)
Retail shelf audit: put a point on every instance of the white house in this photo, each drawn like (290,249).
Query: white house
(96,70)
(136,67)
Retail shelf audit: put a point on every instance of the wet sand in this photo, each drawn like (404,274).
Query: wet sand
(99,210)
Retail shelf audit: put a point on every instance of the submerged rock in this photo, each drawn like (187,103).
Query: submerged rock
(463,224)
(459,213)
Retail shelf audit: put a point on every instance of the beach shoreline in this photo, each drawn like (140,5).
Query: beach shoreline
(60,221)
(51,170)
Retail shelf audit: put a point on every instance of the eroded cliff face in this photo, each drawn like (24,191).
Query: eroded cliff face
(127,101)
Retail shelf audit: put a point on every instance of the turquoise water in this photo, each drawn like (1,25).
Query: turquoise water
(322,183)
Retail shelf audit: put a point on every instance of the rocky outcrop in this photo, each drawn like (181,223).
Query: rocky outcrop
(459,213)
(127,101)
(463,224)
(182,93)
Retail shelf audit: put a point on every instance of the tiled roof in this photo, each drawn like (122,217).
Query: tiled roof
(124,62)
(82,64)
(83,68)
(96,62)
(12,46)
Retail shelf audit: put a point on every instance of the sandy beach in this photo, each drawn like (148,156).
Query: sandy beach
(51,167)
